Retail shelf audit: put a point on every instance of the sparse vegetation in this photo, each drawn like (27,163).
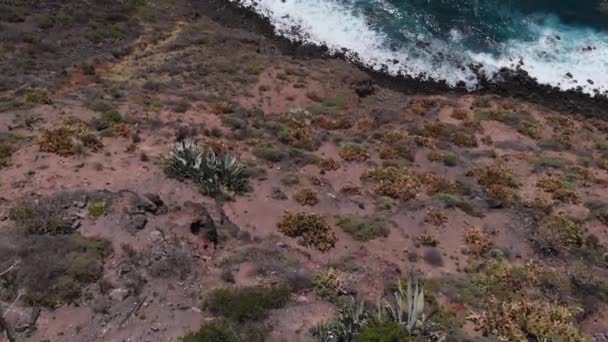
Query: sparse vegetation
(312,230)
(43,216)
(65,140)
(435,217)
(247,303)
(558,234)
(54,269)
(523,319)
(330,284)
(363,228)
(226,331)
(6,151)
(498,181)
(352,152)
(477,242)
(398,183)
(306,196)
(270,153)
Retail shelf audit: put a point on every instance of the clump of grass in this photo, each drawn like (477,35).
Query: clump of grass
(558,234)
(312,230)
(456,201)
(38,96)
(498,181)
(398,183)
(477,242)
(522,121)
(330,105)
(522,320)
(436,217)
(6,152)
(549,162)
(212,172)
(602,163)
(270,153)
(112,117)
(248,303)
(290,179)
(354,152)
(98,209)
(448,132)
(363,228)
(382,330)
(306,196)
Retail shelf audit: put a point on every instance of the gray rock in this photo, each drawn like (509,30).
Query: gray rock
(119,294)
(136,221)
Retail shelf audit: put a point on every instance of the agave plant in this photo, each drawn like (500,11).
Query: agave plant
(211,172)
(408,310)
(351,318)
(352,315)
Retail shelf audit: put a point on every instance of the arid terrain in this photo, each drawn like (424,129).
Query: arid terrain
(341,189)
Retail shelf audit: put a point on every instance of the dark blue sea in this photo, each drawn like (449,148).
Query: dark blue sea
(563,43)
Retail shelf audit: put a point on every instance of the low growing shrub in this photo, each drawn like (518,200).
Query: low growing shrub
(247,303)
(311,229)
(363,228)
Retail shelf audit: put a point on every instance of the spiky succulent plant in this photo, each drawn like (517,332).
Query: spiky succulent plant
(212,172)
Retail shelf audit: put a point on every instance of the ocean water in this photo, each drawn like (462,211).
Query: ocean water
(563,43)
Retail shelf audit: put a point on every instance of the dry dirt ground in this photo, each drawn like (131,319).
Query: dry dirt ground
(482,199)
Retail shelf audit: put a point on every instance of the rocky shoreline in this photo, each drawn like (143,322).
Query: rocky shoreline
(515,83)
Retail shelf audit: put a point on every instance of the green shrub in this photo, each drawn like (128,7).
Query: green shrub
(270,153)
(555,163)
(213,173)
(455,201)
(248,303)
(290,179)
(375,330)
(112,116)
(225,331)
(98,209)
(363,228)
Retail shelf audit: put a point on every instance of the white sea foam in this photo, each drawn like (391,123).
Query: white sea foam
(558,50)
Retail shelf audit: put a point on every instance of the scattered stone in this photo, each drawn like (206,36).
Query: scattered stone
(154,204)
(136,221)
(365,88)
